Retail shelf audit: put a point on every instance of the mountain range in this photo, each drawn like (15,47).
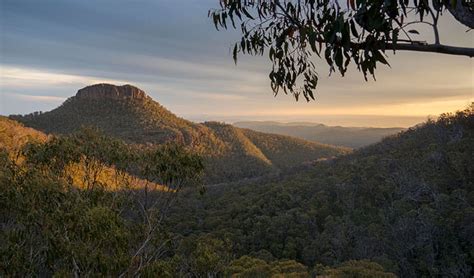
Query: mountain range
(128,113)
(353,137)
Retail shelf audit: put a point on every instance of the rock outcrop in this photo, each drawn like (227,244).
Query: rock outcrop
(109,91)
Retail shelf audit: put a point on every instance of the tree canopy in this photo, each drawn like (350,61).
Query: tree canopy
(292,32)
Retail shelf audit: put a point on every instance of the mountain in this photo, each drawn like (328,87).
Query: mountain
(353,137)
(406,203)
(128,113)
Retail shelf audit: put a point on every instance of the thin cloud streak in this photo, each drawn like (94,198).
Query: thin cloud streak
(38,98)
(32,78)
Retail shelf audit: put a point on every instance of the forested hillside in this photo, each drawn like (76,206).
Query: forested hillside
(127,113)
(401,207)
(69,207)
(405,203)
(353,137)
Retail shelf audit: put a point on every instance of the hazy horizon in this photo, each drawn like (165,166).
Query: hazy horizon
(380,121)
(329,120)
(51,49)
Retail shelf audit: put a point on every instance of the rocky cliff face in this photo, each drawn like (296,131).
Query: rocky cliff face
(109,91)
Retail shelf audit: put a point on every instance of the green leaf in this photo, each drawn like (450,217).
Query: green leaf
(354,29)
(380,57)
(246,13)
(234,53)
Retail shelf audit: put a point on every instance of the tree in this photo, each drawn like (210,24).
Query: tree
(361,31)
(69,207)
(356,269)
(168,169)
(247,266)
(202,256)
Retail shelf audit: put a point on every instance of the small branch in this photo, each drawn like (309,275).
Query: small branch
(416,22)
(294,21)
(436,33)
(403,29)
(435,25)
(434,48)
(423,47)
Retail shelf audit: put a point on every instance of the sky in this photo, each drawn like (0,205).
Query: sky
(49,49)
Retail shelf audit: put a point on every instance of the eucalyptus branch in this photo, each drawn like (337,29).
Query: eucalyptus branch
(360,35)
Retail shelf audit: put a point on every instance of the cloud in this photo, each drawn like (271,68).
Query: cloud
(17,77)
(53,99)
(169,48)
(217,96)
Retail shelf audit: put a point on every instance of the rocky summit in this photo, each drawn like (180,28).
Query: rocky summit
(109,91)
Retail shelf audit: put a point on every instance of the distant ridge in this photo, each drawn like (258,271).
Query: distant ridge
(126,112)
(353,137)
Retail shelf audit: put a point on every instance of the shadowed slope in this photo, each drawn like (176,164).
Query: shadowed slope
(286,151)
(406,202)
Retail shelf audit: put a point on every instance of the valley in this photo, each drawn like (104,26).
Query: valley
(352,137)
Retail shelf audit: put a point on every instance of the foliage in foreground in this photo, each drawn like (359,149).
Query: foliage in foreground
(54,223)
(295,32)
(109,226)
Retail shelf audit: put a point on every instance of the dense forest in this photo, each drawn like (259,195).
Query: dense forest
(405,203)
(86,203)
(68,206)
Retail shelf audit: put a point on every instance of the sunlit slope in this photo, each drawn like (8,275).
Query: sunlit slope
(14,136)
